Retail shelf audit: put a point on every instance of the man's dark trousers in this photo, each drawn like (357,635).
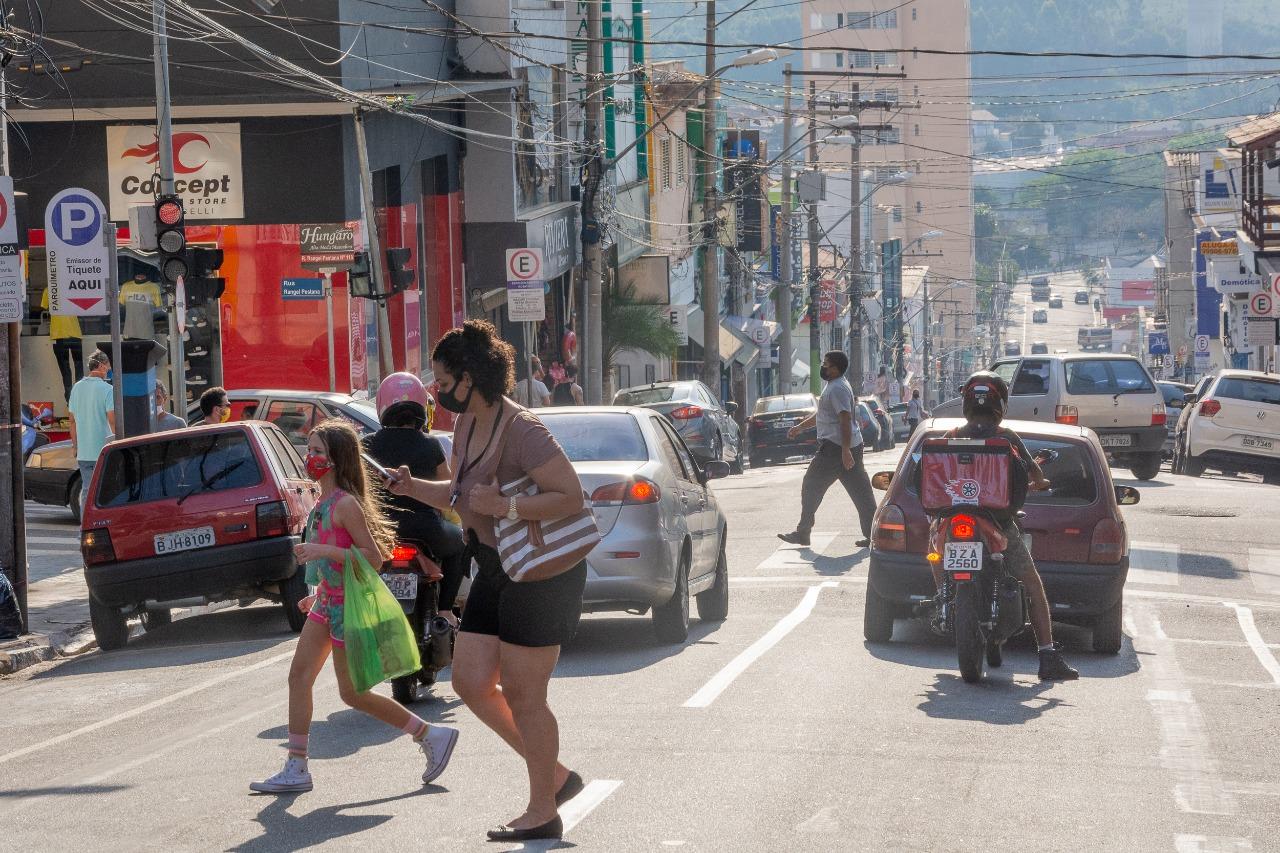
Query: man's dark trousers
(827,467)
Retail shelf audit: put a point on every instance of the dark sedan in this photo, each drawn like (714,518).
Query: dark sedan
(767,427)
(51,476)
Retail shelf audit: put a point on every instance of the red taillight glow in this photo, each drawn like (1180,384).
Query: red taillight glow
(685,413)
(1210,407)
(627,492)
(95,547)
(889,530)
(757,423)
(1069,415)
(962,576)
(273,519)
(1108,542)
(963,527)
(403,553)
(1157,415)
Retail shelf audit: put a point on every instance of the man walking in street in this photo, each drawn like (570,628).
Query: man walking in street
(839,455)
(915,411)
(164,419)
(93,418)
(539,396)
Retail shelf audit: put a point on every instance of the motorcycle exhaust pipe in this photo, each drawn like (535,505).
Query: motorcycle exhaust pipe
(440,642)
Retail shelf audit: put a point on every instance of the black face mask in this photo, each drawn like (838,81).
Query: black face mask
(449,401)
(827,374)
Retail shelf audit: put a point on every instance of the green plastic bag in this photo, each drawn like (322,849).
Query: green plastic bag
(379,639)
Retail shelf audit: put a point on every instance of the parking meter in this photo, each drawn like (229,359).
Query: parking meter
(137,375)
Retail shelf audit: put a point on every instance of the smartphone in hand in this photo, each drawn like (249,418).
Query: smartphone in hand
(388,477)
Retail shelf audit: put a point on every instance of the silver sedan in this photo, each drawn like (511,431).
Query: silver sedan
(663,531)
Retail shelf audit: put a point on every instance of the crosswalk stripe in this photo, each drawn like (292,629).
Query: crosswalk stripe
(1153,563)
(1264,570)
(53,540)
(797,556)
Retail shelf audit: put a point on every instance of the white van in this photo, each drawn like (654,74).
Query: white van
(1113,395)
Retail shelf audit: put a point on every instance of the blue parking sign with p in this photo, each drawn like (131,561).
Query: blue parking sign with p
(77,219)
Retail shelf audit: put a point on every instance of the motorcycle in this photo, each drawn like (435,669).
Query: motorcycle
(413,576)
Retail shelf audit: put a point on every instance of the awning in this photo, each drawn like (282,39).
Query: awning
(1257,133)
(731,346)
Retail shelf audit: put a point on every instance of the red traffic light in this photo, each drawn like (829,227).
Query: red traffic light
(169,212)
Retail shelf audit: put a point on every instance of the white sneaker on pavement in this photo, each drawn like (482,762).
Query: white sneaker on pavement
(293,778)
(437,746)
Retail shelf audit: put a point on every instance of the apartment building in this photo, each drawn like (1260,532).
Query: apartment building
(930,134)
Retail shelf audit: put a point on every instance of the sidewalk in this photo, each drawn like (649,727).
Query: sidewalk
(58,621)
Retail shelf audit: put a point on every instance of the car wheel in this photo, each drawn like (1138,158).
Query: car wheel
(1176,465)
(1145,466)
(1191,466)
(877,618)
(110,628)
(293,591)
(73,497)
(671,620)
(153,619)
(1108,630)
(717,448)
(713,604)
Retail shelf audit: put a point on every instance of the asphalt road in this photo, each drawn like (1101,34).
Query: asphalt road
(1061,331)
(779,729)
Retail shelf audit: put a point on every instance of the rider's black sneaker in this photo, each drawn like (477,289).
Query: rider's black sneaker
(795,537)
(1054,668)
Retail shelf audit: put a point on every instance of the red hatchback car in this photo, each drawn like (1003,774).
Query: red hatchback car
(190,517)
(1076,530)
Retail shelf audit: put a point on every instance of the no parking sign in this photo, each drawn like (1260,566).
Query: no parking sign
(78,257)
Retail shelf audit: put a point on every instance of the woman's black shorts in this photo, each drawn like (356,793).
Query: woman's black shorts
(533,613)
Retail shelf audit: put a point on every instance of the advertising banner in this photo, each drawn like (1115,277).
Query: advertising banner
(1208,300)
(742,187)
(206,165)
(356,345)
(329,245)
(1218,184)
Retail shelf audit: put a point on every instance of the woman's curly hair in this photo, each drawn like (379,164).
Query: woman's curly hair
(479,350)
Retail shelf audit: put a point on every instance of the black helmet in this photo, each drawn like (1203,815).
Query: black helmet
(985,393)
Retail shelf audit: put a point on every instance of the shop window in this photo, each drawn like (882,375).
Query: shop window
(682,163)
(919,207)
(897,213)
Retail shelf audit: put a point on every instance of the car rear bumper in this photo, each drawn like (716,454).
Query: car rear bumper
(625,582)
(46,490)
(1076,591)
(219,573)
(783,447)
(1148,439)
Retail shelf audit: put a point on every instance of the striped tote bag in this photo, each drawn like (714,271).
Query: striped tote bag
(537,550)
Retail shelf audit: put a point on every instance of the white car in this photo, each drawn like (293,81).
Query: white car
(1232,424)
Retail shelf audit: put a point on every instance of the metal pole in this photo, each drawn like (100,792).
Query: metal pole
(815,338)
(328,319)
(855,246)
(711,242)
(376,255)
(592,323)
(117,359)
(926,364)
(14,556)
(164,139)
(783,297)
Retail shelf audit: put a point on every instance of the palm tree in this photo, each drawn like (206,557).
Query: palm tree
(631,323)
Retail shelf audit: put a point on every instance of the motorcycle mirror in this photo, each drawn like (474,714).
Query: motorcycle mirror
(882,480)
(1127,495)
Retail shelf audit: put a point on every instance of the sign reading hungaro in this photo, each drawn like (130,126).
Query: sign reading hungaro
(525,282)
(207,169)
(1219,247)
(329,245)
(79,263)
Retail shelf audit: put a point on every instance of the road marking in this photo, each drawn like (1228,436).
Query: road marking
(1185,748)
(1153,563)
(1250,630)
(1264,570)
(722,679)
(595,793)
(797,556)
(142,709)
(824,822)
(798,581)
(1211,844)
(54,540)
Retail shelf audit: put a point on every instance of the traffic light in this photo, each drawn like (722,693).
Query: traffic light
(171,239)
(359,281)
(398,278)
(202,282)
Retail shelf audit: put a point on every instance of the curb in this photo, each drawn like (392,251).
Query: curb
(41,648)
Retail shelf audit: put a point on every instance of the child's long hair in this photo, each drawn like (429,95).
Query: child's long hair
(343,446)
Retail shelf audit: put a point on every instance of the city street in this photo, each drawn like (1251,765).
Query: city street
(780,729)
(1061,332)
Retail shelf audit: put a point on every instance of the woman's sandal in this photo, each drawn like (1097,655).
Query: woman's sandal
(553,828)
(571,788)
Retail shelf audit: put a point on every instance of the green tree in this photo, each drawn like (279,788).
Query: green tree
(632,323)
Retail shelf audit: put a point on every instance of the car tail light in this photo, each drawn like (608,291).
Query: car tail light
(95,547)
(757,423)
(628,493)
(889,532)
(1210,407)
(1157,415)
(1069,415)
(1108,542)
(273,519)
(963,527)
(686,413)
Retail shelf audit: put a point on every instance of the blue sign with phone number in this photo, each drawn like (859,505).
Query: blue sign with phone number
(301,289)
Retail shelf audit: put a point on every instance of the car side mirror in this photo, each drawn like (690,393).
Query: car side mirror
(731,407)
(882,480)
(1188,399)
(1127,495)
(716,469)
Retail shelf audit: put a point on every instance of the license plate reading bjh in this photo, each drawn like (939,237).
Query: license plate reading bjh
(403,586)
(184,540)
(962,557)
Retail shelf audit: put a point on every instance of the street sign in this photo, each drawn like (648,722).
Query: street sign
(1261,305)
(525,301)
(327,246)
(301,289)
(1219,247)
(1202,345)
(10,300)
(1272,285)
(79,264)
(11,289)
(1158,343)
(1260,332)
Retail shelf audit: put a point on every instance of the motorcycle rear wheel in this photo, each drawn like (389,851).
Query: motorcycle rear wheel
(405,689)
(970,645)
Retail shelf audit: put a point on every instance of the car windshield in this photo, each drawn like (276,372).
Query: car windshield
(177,468)
(789,403)
(598,437)
(1072,475)
(1107,376)
(1250,389)
(645,396)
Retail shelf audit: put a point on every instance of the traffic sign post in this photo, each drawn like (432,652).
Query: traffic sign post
(1262,305)
(525,301)
(1202,352)
(75,223)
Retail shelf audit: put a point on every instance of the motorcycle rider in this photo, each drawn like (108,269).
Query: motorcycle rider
(405,411)
(986,398)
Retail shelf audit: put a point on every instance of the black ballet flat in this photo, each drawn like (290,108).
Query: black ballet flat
(571,788)
(553,828)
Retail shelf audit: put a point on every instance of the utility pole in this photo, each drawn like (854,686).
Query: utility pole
(592,254)
(815,338)
(782,298)
(164,140)
(377,279)
(855,245)
(711,235)
(926,366)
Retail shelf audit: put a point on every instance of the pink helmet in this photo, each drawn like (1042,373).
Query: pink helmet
(404,393)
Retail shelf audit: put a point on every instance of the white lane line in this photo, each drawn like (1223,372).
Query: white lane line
(1153,563)
(54,540)
(1264,570)
(142,709)
(795,580)
(1211,844)
(1250,630)
(793,556)
(722,679)
(1185,748)
(595,793)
